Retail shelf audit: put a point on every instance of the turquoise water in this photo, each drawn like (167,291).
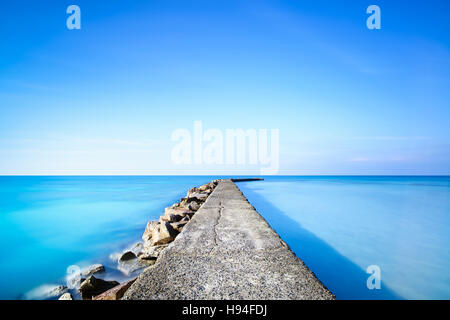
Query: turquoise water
(50,223)
(339,226)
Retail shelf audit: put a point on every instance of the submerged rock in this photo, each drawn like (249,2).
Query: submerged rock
(115,293)
(93,286)
(95,268)
(128,255)
(137,248)
(45,291)
(66,296)
(130,266)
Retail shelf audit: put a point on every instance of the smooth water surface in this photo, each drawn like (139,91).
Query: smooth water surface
(339,226)
(50,223)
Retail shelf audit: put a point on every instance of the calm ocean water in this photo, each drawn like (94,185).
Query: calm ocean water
(50,223)
(341,225)
(337,225)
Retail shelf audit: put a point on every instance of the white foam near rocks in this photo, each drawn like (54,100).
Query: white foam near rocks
(45,291)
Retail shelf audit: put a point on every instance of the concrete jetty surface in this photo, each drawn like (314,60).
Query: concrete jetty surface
(227,251)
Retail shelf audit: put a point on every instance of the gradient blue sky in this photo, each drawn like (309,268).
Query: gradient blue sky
(105,99)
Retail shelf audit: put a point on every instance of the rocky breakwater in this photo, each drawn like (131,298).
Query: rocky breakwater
(156,237)
(158,234)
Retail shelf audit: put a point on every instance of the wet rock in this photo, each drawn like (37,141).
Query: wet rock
(45,291)
(93,287)
(136,248)
(127,256)
(66,296)
(115,293)
(165,234)
(130,266)
(95,268)
(152,252)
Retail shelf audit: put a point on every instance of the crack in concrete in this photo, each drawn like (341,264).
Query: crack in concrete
(216,235)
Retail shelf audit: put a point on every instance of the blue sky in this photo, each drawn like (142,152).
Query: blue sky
(105,99)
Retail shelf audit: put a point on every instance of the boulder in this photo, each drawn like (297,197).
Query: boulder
(151,225)
(95,268)
(92,287)
(178,226)
(191,191)
(115,293)
(66,296)
(165,234)
(194,206)
(127,256)
(152,252)
(171,218)
(46,291)
(137,248)
(184,203)
(198,196)
(176,214)
(130,266)
(176,210)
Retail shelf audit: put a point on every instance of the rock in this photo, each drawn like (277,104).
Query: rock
(191,191)
(178,226)
(176,205)
(93,287)
(66,296)
(130,266)
(199,196)
(151,225)
(115,293)
(152,252)
(194,206)
(95,268)
(176,214)
(127,256)
(136,248)
(184,203)
(165,234)
(171,218)
(45,291)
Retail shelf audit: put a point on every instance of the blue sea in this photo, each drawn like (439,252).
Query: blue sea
(339,226)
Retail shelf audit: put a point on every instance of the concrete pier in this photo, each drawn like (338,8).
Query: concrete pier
(227,251)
